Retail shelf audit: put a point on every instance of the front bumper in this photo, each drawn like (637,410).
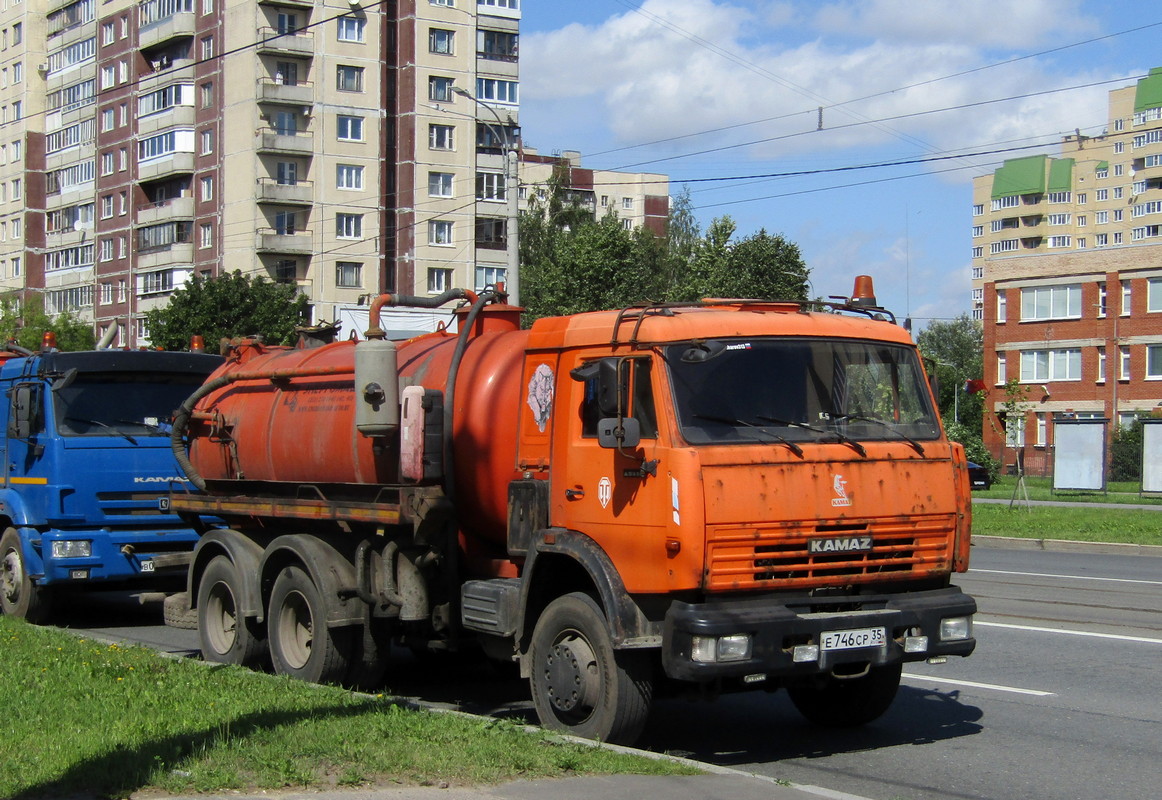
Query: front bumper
(777,624)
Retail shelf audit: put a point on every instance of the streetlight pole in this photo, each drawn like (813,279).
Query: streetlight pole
(511,190)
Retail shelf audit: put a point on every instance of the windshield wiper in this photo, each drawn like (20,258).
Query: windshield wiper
(794,448)
(842,437)
(104,425)
(919,448)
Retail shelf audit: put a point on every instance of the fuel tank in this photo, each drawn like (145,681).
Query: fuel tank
(289,417)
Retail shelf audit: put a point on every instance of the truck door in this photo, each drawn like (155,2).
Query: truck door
(618,496)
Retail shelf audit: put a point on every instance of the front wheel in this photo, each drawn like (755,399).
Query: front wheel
(846,703)
(226,636)
(580,684)
(19,596)
(301,644)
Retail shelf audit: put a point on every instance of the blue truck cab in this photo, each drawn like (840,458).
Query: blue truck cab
(85,469)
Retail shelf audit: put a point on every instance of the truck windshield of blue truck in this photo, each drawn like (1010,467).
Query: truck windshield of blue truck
(100,404)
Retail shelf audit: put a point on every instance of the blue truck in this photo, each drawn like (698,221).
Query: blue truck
(86,468)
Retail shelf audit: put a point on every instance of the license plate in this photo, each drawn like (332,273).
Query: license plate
(853,639)
(147,566)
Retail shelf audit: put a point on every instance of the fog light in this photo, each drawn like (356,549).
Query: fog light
(713,649)
(804,653)
(79,574)
(915,644)
(955,628)
(72,548)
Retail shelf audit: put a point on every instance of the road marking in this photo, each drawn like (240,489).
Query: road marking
(1068,577)
(973,684)
(1066,632)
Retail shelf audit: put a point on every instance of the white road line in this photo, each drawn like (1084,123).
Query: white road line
(1066,632)
(1067,577)
(973,684)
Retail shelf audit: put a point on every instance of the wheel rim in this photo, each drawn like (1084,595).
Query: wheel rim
(221,618)
(12,577)
(572,677)
(295,630)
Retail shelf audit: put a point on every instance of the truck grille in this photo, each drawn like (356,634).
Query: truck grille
(777,555)
(130,504)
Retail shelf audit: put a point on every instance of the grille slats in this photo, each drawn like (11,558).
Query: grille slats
(777,555)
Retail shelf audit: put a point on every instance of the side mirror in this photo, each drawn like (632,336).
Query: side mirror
(25,419)
(612,387)
(614,432)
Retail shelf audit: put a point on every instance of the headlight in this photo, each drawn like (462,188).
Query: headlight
(714,649)
(72,548)
(955,628)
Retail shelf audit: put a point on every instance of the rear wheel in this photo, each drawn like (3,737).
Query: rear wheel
(301,644)
(579,683)
(226,636)
(19,596)
(846,703)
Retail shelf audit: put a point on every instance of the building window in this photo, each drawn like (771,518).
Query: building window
(348,78)
(348,226)
(489,276)
(349,176)
(999,203)
(285,223)
(439,280)
(494,90)
(105,250)
(1101,299)
(496,45)
(107,164)
(1126,298)
(1015,431)
(441,41)
(440,88)
(627,203)
(977,230)
(440,184)
(106,293)
(1005,246)
(107,206)
(1060,241)
(207,48)
(350,29)
(1060,197)
(978,209)
(1154,294)
(490,186)
(207,94)
(206,235)
(286,173)
(207,137)
(1051,302)
(1058,219)
(440,232)
(1101,365)
(1123,363)
(1050,365)
(349,274)
(978,252)
(1001,369)
(350,128)
(1002,305)
(1040,441)
(440,137)
(207,188)
(1154,362)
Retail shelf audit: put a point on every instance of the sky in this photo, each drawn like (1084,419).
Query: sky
(724,98)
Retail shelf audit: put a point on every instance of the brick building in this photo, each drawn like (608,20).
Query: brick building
(1067,278)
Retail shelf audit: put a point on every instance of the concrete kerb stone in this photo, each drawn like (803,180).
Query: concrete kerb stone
(1069,546)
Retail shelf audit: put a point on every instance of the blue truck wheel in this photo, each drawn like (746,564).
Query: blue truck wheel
(19,596)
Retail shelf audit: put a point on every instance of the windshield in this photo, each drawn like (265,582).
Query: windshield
(799,390)
(121,403)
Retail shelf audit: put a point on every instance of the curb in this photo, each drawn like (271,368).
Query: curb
(1069,546)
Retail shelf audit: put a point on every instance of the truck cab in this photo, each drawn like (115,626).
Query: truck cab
(85,463)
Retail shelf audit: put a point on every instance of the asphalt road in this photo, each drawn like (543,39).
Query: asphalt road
(1062,699)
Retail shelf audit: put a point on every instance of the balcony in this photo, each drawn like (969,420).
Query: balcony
(295,194)
(183,23)
(291,3)
(168,255)
(301,93)
(172,164)
(175,116)
(270,140)
(289,43)
(267,240)
(165,210)
(176,69)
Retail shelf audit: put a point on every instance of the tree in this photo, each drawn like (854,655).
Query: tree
(225,307)
(957,348)
(26,327)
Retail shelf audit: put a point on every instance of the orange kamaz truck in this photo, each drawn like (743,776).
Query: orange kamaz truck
(721,496)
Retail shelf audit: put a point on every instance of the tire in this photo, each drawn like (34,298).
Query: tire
(226,637)
(177,612)
(301,644)
(580,684)
(19,596)
(836,703)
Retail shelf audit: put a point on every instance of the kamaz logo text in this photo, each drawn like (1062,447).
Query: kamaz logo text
(840,544)
(159,479)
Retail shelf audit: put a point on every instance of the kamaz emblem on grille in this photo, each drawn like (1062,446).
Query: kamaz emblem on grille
(840,544)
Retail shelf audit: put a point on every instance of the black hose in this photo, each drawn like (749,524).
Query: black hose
(450,390)
(181,421)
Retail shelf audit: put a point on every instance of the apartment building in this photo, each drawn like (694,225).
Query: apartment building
(348,148)
(637,198)
(1067,277)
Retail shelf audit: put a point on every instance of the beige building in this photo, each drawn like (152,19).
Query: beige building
(1067,275)
(347,148)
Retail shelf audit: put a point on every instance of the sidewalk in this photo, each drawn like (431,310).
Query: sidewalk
(723,785)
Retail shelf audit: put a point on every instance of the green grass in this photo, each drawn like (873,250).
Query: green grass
(1042,489)
(106,720)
